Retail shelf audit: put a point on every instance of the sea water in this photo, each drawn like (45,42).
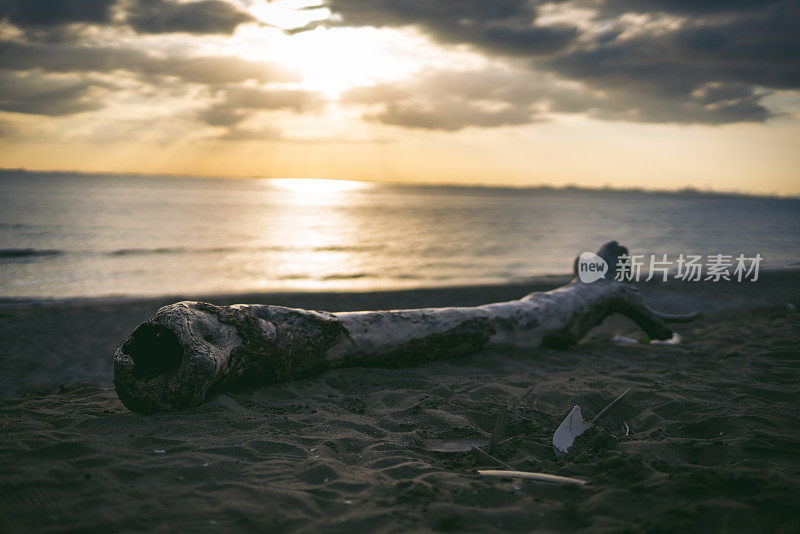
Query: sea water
(73,235)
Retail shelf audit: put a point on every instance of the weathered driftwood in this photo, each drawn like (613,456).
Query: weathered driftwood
(190,350)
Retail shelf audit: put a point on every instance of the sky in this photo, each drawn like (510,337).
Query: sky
(657,94)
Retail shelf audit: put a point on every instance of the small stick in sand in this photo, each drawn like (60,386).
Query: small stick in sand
(610,404)
(486,456)
(497,431)
(541,477)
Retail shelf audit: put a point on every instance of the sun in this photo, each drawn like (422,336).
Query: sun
(311,191)
(316,185)
(303,37)
(329,60)
(332,60)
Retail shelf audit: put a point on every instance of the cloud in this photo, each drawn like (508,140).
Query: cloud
(761,48)
(26,69)
(682,7)
(707,104)
(711,70)
(144,16)
(264,133)
(447,115)
(55,20)
(46,94)
(647,61)
(235,104)
(217,70)
(497,26)
(452,100)
(202,17)
(76,58)
(663,61)
(44,13)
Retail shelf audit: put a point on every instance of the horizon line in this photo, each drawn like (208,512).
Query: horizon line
(690,190)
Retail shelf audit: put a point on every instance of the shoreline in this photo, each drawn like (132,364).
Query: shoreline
(529,284)
(541,281)
(81,335)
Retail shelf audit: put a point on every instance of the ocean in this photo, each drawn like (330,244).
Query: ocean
(74,235)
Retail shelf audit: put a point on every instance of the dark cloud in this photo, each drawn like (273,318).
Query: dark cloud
(712,63)
(55,20)
(679,61)
(46,19)
(168,16)
(75,58)
(448,115)
(681,7)
(705,105)
(236,103)
(451,101)
(46,95)
(43,13)
(711,70)
(25,67)
(761,48)
(497,26)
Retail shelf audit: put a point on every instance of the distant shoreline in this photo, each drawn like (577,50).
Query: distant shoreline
(684,191)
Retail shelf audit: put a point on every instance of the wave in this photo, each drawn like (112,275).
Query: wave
(217,250)
(326,278)
(345,276)
(31,252)
(295,277)
(169,250)
(351,248)
(27,252)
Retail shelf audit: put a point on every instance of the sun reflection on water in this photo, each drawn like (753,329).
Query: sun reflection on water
(313,234)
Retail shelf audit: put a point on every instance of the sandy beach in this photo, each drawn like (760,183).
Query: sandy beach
(713,440)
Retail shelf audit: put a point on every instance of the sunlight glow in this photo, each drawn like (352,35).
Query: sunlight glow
(316,192)
(290,14)
(317,186)
(334,60)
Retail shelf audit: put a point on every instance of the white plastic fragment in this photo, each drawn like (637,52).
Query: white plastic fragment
(575,425)
(674,340)
(572,427)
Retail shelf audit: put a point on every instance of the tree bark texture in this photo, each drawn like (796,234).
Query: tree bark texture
(189,351)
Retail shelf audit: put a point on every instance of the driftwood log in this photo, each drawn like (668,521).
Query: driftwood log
(189,351)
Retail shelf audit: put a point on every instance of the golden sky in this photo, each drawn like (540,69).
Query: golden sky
(628,93)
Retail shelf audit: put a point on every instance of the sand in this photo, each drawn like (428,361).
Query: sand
(714,443)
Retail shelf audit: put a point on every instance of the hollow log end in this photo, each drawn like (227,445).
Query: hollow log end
(171,360)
